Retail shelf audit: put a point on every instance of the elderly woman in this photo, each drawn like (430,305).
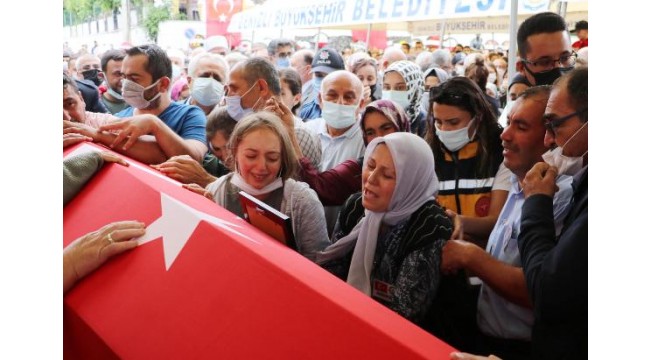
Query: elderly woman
(264,164)
(403,83)
(389,237)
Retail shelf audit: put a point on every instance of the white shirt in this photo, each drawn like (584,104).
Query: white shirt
(348,145)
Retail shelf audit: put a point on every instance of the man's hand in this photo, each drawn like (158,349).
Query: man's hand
(186,170)
(73,138)
(130,129)
(458,225)
(70,127)
(199,190)
(540,180)
(456,255)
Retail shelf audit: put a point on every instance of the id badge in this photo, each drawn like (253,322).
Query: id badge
(382,290)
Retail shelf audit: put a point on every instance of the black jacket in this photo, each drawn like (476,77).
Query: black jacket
(90,94)
(556,274)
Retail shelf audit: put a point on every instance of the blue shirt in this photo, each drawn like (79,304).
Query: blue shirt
(187,121)
(496,316)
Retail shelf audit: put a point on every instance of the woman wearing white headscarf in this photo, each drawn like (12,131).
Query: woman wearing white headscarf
(391,234)
(404,84)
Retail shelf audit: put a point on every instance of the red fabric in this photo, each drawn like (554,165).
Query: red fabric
(333,186)
(378,39)
(580,44)
(224,296)
(219,13)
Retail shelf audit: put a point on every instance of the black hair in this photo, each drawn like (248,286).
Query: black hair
(219,120)
(541,23)
(292,78)
(463,93)
(115,55)
(158,63)
(257,68)
(576,84)
(68,81)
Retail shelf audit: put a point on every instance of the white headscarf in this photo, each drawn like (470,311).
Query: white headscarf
(416,183)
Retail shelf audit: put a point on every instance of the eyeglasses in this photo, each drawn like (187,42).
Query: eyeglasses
(552,124)
(547,63)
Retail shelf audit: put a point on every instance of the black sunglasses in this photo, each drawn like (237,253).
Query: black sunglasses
(552,124)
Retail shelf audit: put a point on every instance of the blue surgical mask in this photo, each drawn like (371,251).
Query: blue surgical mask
(206,91)
(400,97)
(317,83)
(234,108)
(339,116)
(282,63)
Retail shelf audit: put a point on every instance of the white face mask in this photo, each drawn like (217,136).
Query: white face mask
(133,94)
(239,182)
(234,108)
(400,97)
(454,140)
(492,78)
(566,165)
(114,94)
(339,116)
(206,91)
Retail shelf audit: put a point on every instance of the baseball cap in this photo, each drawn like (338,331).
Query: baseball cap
(580,25)
(216,41)
(327,60)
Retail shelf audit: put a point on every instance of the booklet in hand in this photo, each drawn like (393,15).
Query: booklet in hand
(264,217)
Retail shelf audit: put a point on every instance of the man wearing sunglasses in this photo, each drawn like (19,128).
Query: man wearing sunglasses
(556,267)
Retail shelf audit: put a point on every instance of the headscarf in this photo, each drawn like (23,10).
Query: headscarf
(416,183)
(394,113)
(412,75)
(437,72)
(177,88)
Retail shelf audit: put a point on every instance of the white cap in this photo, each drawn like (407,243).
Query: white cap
(215,42)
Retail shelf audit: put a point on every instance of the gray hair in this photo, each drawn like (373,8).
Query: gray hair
(257,68)
(424,60)
(191,68)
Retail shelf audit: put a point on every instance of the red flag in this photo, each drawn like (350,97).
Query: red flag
(225,290)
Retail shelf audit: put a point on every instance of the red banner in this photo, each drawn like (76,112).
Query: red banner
(219,13)
(206,284)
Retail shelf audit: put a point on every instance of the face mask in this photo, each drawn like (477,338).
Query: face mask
(133,94)
(339,116)
(492,78)
(239,182)
(548,77)
(317,82)
(454,140)
(566,165)
(176,71)
(400,97)
(282,63)
(460,70)
(115,94)
(234,108)
(424,103)
(93,75)
(206,91)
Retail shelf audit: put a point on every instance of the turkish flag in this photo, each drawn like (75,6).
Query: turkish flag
(206,284)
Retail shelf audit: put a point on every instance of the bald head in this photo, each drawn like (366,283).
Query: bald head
(391,55)
(343,79)
(301,62)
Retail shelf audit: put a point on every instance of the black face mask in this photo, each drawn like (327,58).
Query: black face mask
(93,75)
(548,77)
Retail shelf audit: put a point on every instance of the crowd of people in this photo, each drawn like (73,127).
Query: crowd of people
(439,185)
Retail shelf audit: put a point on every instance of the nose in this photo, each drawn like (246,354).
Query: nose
(372,177)
(506,135)
(549,139)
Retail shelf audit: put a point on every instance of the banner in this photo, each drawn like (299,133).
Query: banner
(330,13)
(206,284)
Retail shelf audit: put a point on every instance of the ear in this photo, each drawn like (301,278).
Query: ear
(297,98)
(519,65)
(320,100)
(165,83)
(264,88)
(189,81)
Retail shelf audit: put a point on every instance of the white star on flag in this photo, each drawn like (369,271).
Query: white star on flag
(177,222)
(223,18)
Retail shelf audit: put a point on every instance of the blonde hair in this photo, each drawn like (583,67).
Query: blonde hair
(269,121)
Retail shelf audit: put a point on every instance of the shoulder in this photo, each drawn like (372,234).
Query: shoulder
(217,186)
(299,191)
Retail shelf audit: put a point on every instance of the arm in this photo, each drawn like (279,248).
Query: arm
(479,228)
(507,280)
(170,143)
(310,227)
(77,170)
(345,178)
